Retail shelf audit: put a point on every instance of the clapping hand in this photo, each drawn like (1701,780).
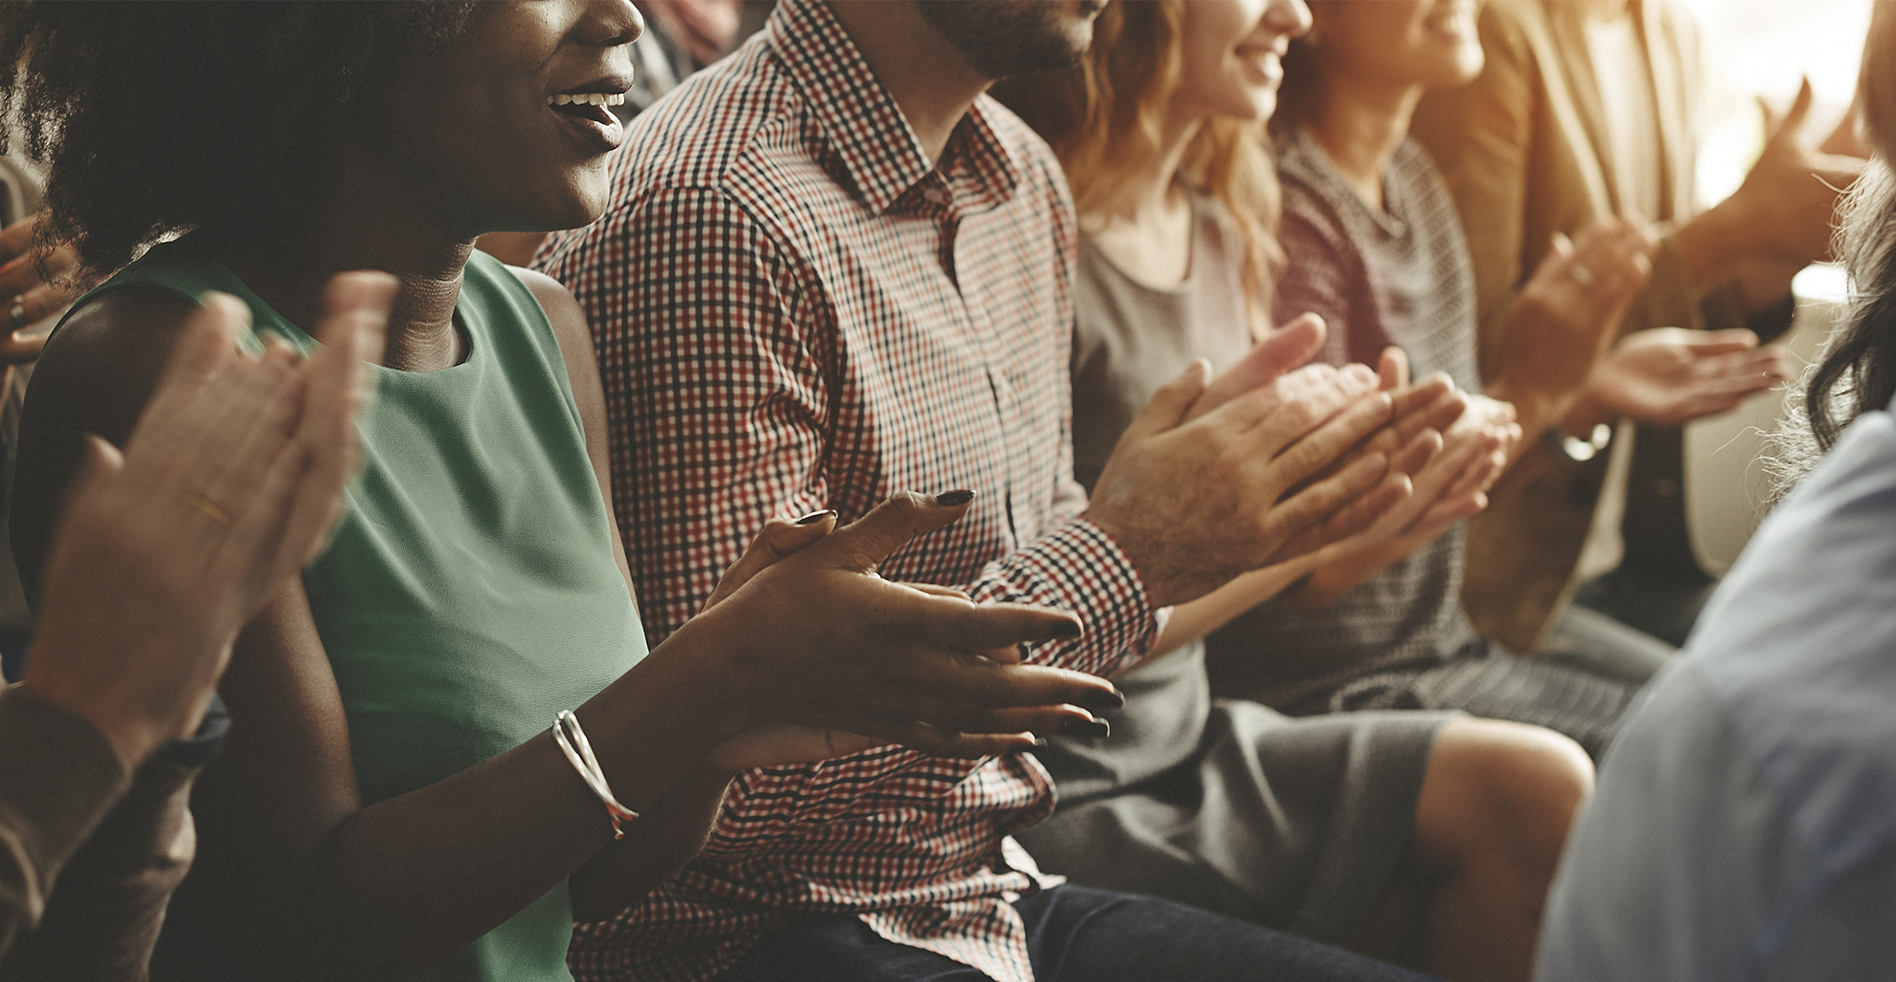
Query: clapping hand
(838,660)
(1670,375)
(229,484)
(28,295)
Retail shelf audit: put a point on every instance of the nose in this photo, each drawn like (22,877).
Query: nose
(1289,17)
(611,23)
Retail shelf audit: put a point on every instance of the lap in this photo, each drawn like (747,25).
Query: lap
(1292,823)
(1074,934)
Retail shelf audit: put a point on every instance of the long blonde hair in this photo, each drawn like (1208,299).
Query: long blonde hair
(1105,117)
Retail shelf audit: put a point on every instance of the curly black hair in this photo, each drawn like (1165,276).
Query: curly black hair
(163,118)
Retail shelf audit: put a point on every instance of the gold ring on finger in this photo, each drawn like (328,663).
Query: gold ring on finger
(211,509)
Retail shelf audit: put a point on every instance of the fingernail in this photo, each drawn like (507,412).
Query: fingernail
(1094,727)
(1026,649)
(1066,629)
(815,516)
(1097,701)
(954,499)
(1039,741)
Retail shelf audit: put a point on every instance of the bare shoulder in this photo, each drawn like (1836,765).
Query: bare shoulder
(94,377)
(562,311)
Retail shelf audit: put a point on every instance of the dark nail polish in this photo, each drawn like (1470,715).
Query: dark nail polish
(815,516)
(1086,727)
(1097,701)
(1066,629)
(954,499)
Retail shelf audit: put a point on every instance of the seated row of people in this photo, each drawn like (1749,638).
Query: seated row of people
(827,270)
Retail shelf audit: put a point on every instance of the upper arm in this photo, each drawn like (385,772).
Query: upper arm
(94,377)
(582,374)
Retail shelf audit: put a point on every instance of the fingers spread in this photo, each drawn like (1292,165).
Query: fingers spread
(1310,454)
(1340,507)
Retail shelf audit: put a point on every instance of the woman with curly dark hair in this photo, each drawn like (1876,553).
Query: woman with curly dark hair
(390,802)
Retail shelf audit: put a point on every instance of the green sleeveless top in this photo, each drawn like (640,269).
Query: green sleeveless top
(470,592)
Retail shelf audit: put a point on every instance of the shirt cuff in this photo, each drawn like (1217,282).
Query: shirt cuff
(1079,567)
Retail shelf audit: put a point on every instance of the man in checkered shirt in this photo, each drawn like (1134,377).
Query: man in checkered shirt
(809,293)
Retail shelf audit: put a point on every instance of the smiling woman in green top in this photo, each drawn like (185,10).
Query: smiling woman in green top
(391,800)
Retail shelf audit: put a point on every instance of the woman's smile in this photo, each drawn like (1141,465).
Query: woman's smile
(590,114)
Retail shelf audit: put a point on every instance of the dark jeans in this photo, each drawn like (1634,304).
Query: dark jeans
(1074,934)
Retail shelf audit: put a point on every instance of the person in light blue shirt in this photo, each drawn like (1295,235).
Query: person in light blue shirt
(1744,826)
(1745,821)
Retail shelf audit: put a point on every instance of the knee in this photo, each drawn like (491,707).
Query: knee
(1499,787)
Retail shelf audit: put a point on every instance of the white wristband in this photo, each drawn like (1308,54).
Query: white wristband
(579,751)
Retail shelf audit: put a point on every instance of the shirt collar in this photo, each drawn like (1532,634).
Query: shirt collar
(868,135)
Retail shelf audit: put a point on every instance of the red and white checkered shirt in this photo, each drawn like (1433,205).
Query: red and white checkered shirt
(793,310)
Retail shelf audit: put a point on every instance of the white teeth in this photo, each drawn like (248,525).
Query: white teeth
(586,99)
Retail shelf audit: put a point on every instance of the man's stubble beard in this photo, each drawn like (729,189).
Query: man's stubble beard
(999,38)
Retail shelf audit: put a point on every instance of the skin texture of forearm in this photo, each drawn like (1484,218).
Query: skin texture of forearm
(385,890)
(1193,620)
(655,848)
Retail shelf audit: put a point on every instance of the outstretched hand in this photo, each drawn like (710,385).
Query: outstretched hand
(834,660)
(1671,375)
(1793,188)
(229,483)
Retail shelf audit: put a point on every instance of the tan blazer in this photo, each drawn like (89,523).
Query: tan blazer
(1524,151)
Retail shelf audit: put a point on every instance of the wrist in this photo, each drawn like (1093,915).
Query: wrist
(1589,410)
(657,725)
(1565,444)
(716,674)
(1711,242)
(132,737)
(1535,407)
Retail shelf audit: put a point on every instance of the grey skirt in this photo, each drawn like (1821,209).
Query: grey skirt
(1296,824)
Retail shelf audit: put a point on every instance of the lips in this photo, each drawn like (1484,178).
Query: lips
(590,115)
(1262,62)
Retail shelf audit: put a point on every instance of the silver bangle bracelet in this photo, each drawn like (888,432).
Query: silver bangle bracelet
(1574,449)
(579,751)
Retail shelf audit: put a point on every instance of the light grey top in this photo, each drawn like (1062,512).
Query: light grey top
(1745,822)
(1129,339)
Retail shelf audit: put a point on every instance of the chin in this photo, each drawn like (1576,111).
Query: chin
(1263,107)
